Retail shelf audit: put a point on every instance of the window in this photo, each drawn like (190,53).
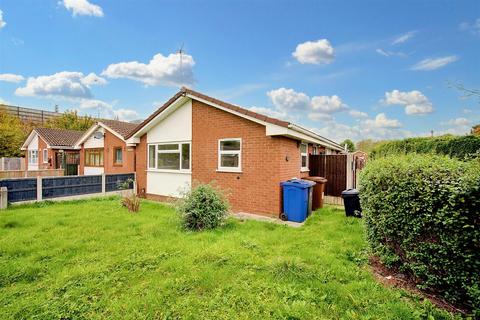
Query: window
(94,157)
(169,156)
(33,156)
(304,156)
(230,155)
(315,150)
(117,155)
(45,156)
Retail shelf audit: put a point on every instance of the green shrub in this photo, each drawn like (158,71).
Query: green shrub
(422,215)
(204,207)
(461,147)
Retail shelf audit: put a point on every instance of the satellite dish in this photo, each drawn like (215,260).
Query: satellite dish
(98,135)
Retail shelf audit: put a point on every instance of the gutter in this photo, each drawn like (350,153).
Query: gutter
(309,133)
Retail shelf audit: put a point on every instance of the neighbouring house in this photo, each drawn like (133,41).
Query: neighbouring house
(103,148)
(47,148)
(197,138)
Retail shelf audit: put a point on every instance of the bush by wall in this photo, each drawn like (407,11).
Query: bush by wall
(461,147)
(204,207)
(422,215)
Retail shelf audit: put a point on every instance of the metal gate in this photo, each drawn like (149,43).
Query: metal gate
(68,161)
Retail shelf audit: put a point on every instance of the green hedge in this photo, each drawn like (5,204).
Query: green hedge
(461,147)
(422,215)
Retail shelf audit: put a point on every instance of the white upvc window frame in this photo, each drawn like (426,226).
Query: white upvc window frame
(45,155)
(220,168)
(31,157)
(179,151)
(304,154)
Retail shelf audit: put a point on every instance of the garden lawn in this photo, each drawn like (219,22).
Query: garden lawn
(95,260)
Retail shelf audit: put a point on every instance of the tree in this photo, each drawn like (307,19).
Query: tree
(350,145)
(476,130)
(71,120)
(367,145)
(12,134)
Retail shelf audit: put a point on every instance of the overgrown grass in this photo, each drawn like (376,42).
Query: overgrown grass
(94,260)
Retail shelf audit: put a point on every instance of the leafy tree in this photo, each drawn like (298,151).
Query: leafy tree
(12,134)
(368,145)
(350,145)
(71,120)
(476,130)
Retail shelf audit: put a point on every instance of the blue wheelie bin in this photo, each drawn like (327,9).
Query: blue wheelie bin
(296,199)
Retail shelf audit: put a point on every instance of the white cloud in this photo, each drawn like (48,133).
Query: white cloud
(82,8)
(326,104)
(2,22)
(457,122)
(434,63)
(381,121)
(473,27)
(404,37)
(65,84)
(414,101)
(173,70)
(102,109)
(270,113)
(288,99)
(10,77)
(358,114)
(314,52)
(390,53)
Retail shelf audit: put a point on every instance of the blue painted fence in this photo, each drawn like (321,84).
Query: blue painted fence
(22,189)
(25,189)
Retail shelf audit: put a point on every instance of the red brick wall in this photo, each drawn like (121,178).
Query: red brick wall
(41,146)
(141,165)
(266,161)
(111,142)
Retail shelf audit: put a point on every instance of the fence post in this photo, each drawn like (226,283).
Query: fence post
(349,171)
(104,182)
(3,198)
(39,188)
(134,183)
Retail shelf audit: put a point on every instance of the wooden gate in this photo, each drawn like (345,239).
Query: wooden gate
(68,161)
(333,168)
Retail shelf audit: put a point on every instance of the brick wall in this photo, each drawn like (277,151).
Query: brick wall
(266,161)
(128,153)
(41,146)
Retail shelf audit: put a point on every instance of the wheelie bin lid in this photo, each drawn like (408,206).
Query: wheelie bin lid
(298,183)
(350,193)
(316,179)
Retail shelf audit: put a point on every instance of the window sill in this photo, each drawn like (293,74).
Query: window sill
(169,171)
(229,170)
(118,165)
(304,170)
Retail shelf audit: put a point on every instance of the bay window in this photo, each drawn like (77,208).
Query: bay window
(33,156)
(169,156)
(94,157)
(230,155)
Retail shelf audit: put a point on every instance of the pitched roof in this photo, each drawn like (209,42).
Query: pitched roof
(122,128)
(185,91)
(59,137)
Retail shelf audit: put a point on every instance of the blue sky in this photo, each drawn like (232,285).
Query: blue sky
(376,69)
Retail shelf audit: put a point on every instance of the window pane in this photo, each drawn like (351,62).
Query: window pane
(229,160)
(186,156)
(118,155)
(304,161)
(230,145)
(169,161)
(167,147)
(151,156)
(303,148)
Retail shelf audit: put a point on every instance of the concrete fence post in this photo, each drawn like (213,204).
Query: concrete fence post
(3,198)
(104,183)
(39,189)
(135,183)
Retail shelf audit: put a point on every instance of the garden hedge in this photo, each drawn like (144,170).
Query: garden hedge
(422,216)
(461,147)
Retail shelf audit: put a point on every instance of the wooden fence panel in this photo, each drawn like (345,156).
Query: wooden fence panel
(333,168)
(115,182)
(20,189)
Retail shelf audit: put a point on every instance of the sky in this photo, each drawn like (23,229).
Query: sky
(345,69)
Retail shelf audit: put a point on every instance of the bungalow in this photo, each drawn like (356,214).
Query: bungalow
(47,148)
(103,148)
(197,138)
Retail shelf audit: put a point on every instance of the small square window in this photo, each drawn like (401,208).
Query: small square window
(230,155)
(118,156)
